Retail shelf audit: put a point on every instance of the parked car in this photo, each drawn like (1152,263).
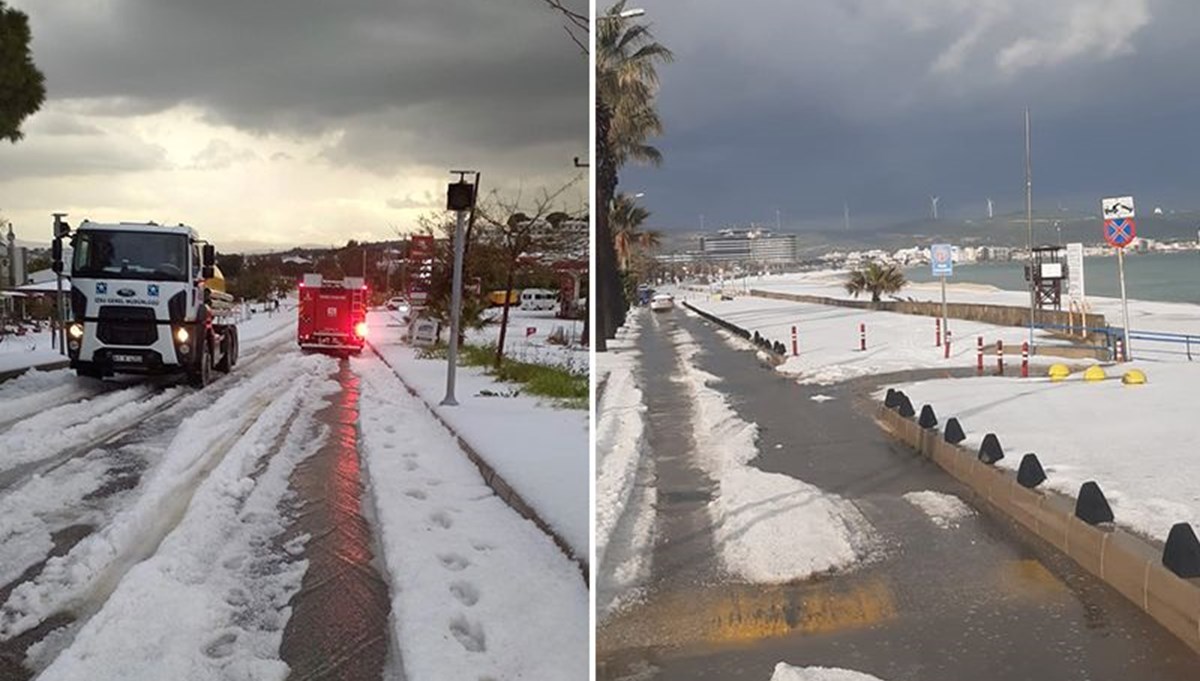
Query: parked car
(533,299)
(662,302)
(399,304)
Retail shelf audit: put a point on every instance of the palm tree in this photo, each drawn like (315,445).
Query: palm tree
(876,278)
(626,80)
(625,220)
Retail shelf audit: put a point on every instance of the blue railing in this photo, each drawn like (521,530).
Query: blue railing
(1112,334)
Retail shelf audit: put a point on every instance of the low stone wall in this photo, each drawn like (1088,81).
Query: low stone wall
(1000,315)
(1127,562)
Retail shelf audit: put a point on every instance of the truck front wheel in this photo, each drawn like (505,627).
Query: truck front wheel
(201,374)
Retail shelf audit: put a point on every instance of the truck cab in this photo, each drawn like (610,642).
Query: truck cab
(333,314)
(148,299)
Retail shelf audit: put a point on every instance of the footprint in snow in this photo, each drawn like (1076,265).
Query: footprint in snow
(222,646)
(465,593)
(482,546)
(469,634)
(415,494)
(453,562)
(410,466)
(442,520)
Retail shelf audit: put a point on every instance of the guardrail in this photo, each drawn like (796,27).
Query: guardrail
(1112,334)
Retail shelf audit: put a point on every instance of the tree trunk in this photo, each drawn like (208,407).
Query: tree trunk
(508,284)
(608,282)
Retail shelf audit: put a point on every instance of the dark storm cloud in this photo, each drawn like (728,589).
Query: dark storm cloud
(486,76)
(881,103)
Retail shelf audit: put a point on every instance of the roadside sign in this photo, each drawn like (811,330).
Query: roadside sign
(1117,208)
(1075,290)
(941,256)
(1120,232)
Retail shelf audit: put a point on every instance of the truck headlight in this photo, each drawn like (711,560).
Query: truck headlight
(182,335)
(75,330)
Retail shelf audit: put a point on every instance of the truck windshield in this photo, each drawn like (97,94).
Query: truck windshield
(131,255)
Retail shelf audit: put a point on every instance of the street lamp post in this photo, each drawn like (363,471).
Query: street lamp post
(460,196)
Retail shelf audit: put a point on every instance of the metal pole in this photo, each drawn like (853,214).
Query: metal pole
(1124,301)
(455,308)
(945,319)
(1029,222)
(58,307)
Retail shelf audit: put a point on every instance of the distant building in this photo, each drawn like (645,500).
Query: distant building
(748,245)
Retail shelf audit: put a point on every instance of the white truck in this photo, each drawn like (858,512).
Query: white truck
(146,299)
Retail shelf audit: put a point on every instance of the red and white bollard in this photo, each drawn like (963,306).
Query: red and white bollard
(1120,350)
(862,336)
(795,342)
(1025,359)
(946,345)
(979,357)
(999,358)
(938,332)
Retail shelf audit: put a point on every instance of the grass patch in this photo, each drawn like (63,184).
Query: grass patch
(567,388)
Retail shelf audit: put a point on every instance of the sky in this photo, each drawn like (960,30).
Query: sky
(802,108)
(271,123)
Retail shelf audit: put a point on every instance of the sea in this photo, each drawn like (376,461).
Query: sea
(1169,277)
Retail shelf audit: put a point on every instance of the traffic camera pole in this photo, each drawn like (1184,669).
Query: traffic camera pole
(460,196)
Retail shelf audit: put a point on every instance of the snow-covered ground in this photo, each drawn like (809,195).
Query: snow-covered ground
(625,495)
(32,349)
(944,510)
(477,591)
(528,338)
(539,448)
(828,338)
(786,672)
(1144,315)
(1135,441)
(767,527)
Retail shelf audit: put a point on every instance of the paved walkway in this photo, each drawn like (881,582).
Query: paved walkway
(977,601)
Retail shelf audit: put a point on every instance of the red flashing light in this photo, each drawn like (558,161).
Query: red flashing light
(360,329)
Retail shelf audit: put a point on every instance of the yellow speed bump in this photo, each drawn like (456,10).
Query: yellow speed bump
(1134,377)
(1059,372)
(1094,373)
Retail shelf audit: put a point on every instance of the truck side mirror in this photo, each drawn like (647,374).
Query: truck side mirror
(208,260)
(56,254)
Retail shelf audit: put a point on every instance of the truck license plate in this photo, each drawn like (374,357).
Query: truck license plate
(129,359)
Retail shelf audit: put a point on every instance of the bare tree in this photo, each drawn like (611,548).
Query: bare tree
(575,23)
(524,238)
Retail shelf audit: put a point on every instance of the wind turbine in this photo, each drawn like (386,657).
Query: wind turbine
(990,213)
(933,202)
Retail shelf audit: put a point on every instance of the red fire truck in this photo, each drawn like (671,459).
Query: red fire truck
(333,314)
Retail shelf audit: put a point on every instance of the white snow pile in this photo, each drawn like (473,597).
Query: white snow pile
(477,591)
(944,510)
(768,527)
(32,512)
(829,350)
(33,391)
(212,600)
(786,672)
(625,494)
(81,578)
(1136,442)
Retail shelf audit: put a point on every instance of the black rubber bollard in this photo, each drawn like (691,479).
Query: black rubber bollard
(1181,555)
(928,419)
(954,432)
(889,400)
(990,451)
(1091,507)
(905,408)
(1030,474)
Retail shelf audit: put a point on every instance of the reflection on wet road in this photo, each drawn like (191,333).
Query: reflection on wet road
(339,623)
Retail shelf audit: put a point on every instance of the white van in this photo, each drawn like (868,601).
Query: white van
(533,299)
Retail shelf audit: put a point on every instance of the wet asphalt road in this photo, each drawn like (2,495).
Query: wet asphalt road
(339,624)
(977,601)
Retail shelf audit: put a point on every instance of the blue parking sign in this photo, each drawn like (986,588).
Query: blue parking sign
(941,257)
